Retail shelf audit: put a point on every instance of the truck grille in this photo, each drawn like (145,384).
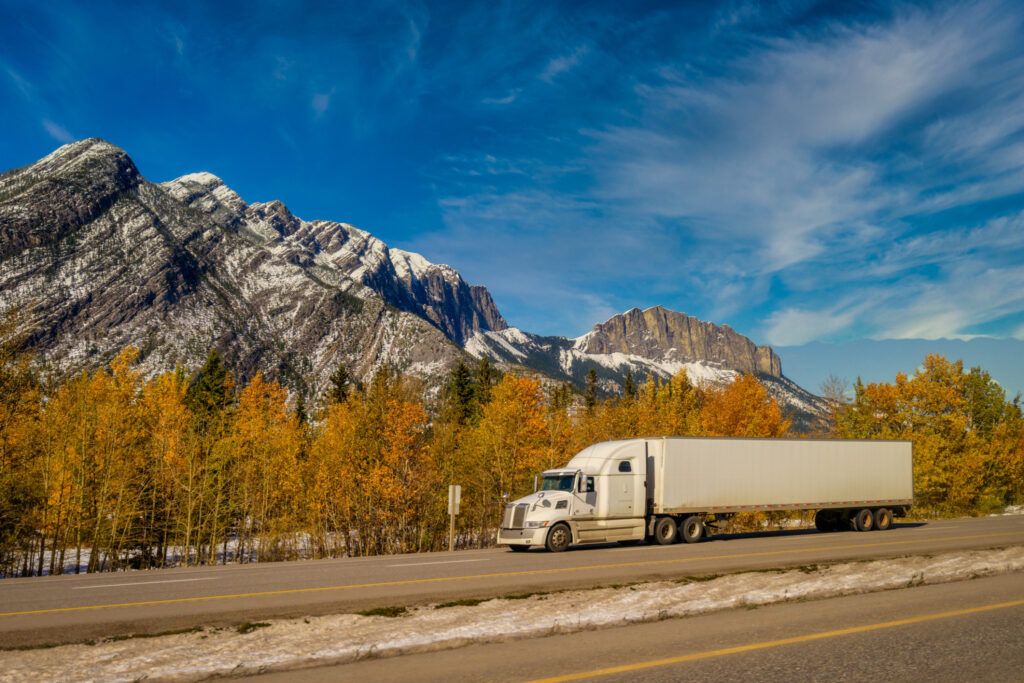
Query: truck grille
(514,515)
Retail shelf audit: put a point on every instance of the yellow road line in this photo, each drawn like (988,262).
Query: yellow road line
(641,563)
(773,643)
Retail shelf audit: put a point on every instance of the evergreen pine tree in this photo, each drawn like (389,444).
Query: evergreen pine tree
(210,393)
(486,376)
(590,395)
(460,393)
(629,386)
(338,392)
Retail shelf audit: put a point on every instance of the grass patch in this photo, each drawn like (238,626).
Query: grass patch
(111,639)
(384,612)
(700,578)
(41,646)
(249,626)
(465,602)
(523,596)
(175,632)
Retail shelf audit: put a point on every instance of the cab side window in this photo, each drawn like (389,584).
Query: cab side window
(587,485)
(625,466)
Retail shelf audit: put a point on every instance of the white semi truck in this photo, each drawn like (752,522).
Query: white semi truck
(669,489)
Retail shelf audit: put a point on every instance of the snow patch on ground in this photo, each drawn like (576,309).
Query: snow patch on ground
(296,643)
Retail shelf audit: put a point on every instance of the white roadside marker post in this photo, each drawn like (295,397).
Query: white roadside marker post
(454,498)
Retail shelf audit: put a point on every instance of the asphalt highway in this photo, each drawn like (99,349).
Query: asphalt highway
(72,608)
(963,631)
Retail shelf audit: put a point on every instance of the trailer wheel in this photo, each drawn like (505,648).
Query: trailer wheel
(883,519)
(825,521)
(864,521)
(519,548)
(692,529)
(665,531)
(559,538)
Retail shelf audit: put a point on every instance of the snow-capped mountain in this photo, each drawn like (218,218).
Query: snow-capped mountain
(101,259)
(656,342)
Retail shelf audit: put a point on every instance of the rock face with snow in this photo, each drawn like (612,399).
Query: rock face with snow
(100,259)
(656,342)
(662,335)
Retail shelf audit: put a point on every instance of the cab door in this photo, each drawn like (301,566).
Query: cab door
(623,484)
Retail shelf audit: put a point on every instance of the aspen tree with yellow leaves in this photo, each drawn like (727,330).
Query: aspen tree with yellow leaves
(742,408)
(967,437)
(506,448)
(265,441)
(104,471)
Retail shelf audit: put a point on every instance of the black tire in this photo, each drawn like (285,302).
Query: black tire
(665,531)
(692,529)
(825,521)
(559,538)
(883,519)
(864,520)
(519,548)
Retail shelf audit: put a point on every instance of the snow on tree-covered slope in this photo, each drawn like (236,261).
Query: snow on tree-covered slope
(656,342)
(101,259)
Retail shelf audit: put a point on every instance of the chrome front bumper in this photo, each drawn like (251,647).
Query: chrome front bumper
(521,536)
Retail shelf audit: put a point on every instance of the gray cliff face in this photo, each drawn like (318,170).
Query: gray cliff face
(102,259)
(661,334)
(656,343)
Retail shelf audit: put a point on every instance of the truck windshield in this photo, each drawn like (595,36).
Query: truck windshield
(558,483)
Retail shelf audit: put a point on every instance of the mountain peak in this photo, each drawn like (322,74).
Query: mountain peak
(46,201)
(658,333)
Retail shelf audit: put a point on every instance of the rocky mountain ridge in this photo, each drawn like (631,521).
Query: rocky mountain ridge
(656,342)
(101,259)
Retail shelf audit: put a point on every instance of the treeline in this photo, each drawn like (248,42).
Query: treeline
(968,438)
(109,471)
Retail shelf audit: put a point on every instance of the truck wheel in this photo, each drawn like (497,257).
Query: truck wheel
(665,531)
(559,538)
(519,548)
(692,529)
(824,521)
(864,521)
(883,519)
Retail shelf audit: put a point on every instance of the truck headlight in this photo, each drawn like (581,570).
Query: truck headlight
(534,525)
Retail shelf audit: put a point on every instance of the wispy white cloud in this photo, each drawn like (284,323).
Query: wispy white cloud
(57,132)
(792,326)
(322,102)
(23,85)
(507,99)
(802,180)
(562,64)
(781,150)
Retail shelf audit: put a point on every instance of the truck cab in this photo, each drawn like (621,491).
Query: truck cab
(599,496)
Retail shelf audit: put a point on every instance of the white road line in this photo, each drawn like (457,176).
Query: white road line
(416,564)
(139,583)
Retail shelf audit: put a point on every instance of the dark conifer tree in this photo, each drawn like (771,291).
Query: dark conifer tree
(338,392)
(486,377)
(210,393)
(461,391)
(629,386)
(590,395)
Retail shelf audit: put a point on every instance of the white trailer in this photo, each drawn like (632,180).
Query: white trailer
(669,489)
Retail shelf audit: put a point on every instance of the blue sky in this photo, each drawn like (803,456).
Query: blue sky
(801,171)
